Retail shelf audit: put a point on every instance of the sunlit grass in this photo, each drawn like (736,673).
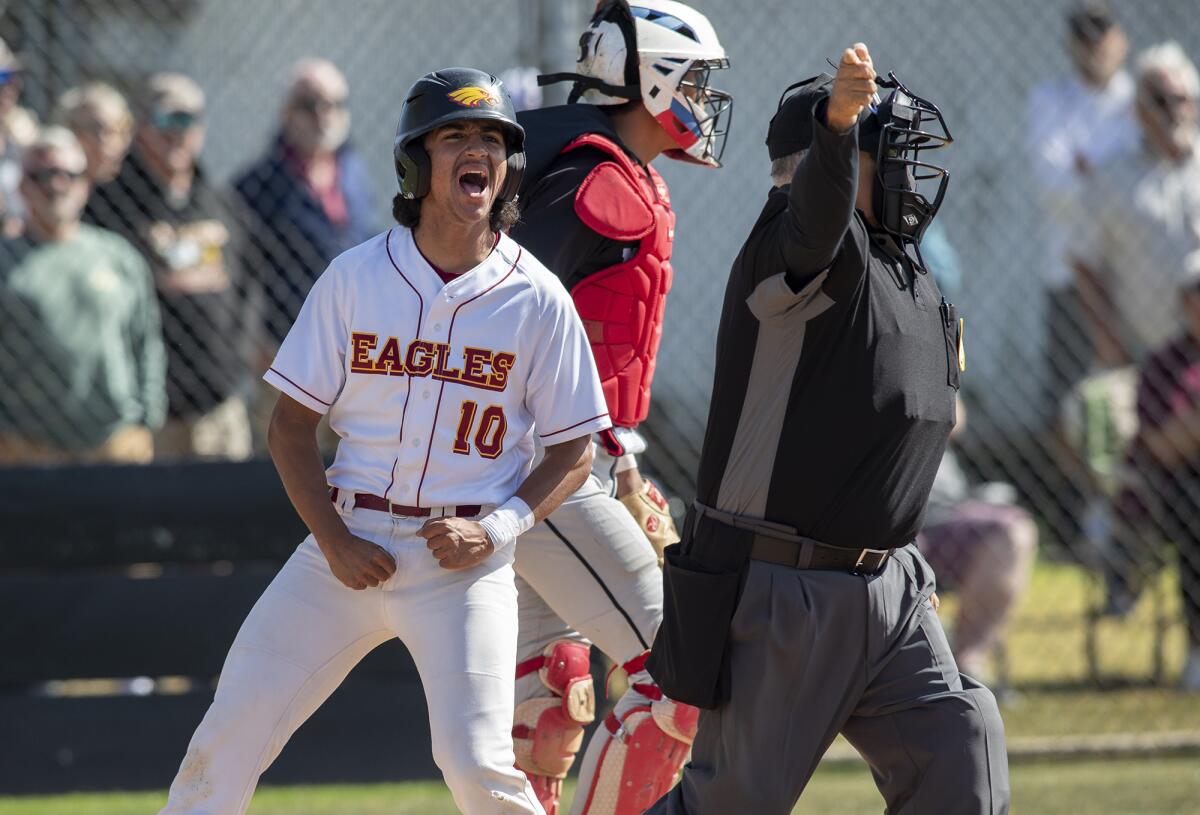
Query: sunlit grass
(1162,786)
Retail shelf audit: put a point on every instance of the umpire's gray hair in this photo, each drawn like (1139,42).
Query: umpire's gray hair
(1169,58)
(784,167)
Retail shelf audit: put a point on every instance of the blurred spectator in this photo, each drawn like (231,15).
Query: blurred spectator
(1164,500)
(521,83)
(1075,124)
(311,192)
(1143,222)
(1144,216)
(982,545)
(163,203)
(99,117)
(81,355)
(979,542)
(1098,419)
(17,127)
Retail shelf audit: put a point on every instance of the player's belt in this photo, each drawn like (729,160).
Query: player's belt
(784,546)
(364,500)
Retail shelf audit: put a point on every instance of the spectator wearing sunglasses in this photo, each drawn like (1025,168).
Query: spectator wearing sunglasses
(1131,254)
(17,127)
(81,351)
(1144,216)
(191,234)
(310,191)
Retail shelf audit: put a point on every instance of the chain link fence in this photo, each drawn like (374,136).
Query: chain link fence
(1082,441)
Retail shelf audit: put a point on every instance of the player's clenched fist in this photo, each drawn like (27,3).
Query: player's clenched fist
(456,542)
(853,89)
(358,563)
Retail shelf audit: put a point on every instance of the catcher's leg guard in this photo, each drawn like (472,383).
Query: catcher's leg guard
(548,731)
(646,744)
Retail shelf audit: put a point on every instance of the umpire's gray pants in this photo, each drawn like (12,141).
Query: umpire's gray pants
(815,653)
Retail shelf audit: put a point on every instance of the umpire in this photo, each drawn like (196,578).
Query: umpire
(798,606)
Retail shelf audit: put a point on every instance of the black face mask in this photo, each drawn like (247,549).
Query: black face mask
(908,190)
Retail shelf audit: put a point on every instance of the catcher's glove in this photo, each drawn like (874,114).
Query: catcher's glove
(649,509)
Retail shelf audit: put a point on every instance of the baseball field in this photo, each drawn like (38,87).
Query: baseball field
(1073,748)
(1158,786)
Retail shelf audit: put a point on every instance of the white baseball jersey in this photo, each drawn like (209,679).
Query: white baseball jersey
(437,389)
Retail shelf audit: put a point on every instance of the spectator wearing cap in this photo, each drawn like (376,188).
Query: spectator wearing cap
(100,118)
(1163,502)
(1075,124)
(17,127)
(311,192)
(81,353)
(164,204)
(1143,216)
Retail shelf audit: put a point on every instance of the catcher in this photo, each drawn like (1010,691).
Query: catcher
(599,217)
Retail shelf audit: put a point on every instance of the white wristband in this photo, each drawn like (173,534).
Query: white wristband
(625,463)
(506,522)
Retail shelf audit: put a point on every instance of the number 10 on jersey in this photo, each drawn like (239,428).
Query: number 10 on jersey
(489,437)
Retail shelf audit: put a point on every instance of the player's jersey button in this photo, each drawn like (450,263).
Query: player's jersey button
(437,326)
(425,395)
(416,442)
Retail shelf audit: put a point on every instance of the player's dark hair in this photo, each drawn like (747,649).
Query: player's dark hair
(505,215)
(407,212)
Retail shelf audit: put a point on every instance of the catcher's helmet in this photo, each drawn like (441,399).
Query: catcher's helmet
(661,53)
(446,96)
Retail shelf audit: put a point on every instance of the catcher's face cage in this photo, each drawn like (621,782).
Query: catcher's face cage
(708,111)
(911,189)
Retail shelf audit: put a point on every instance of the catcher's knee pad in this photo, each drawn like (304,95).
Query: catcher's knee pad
(548,731)
(641,757)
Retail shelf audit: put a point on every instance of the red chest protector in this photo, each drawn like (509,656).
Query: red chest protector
(622,306)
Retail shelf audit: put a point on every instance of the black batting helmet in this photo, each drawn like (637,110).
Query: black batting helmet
(448,95)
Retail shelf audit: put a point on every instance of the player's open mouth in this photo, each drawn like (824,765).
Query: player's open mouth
(473,183)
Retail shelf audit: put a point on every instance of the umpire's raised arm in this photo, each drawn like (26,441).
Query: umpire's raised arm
(824,185)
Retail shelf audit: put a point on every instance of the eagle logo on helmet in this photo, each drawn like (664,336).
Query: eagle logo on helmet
(473,96)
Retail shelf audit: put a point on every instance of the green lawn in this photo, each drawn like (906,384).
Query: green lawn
(1046,645)
(1047,641)
(1163,786)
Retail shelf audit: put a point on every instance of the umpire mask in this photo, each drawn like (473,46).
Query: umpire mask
(908,189)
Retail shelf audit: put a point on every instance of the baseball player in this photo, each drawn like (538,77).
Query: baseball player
(602,217)
(408,343)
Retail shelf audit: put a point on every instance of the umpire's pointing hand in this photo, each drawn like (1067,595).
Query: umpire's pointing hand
(853,89)
(456,542)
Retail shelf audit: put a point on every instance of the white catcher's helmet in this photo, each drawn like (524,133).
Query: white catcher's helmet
(661,53)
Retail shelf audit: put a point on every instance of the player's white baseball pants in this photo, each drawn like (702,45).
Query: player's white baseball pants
(589,574)
(308,630)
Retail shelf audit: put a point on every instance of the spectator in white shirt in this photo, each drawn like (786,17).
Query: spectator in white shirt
(1075,123)
(1144,216)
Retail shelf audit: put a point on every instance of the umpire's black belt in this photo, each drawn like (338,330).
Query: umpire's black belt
(783,545)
